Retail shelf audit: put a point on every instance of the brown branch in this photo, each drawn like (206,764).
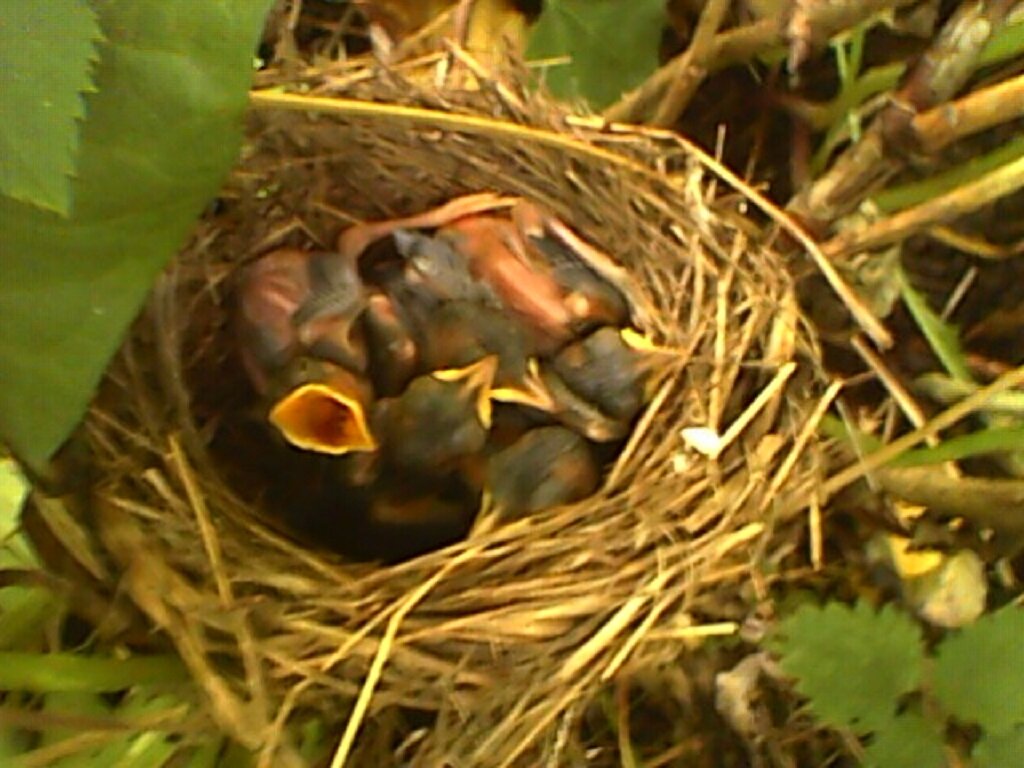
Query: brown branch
(939,210)
(690,69)
(730,47)
(169,720)
(812,22)
(881,152)
(975,112)
(996,503)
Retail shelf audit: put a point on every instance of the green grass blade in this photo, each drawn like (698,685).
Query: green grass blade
(40,673)
(943,338)
(916,192)
(992,440)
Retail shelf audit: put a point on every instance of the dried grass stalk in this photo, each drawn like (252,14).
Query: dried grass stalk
(501,637)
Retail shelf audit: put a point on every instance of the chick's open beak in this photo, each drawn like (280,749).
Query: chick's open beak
(476,381)
(531,391)
(326,416)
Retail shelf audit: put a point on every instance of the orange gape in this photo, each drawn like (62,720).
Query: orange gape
(496,255)
(326,412)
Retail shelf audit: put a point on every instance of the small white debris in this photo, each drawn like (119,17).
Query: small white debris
(704,440)
(680,463)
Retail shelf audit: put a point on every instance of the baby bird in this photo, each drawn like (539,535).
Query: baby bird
(458,333)
(392,350)
(546,467)
(270,292)
(496,256)
(439,418)
(434,267)
(606,287)
(458,319)
(326,323)
(609,369)
(600,383)
(290,302)
(322,408)
(568,408)
(590,299)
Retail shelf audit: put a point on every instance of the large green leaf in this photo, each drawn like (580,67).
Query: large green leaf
(979,673)
(612,45)
(909,741)
(162,130)
(851,663)
(1000,750)
(46,55)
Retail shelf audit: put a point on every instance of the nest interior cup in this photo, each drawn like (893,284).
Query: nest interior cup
(496,638)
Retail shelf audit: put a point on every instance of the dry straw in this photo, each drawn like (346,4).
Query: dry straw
(502,638)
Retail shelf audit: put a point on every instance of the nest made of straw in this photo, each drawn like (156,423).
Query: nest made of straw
(499,637)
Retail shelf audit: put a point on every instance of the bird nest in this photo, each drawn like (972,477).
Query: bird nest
(498,639)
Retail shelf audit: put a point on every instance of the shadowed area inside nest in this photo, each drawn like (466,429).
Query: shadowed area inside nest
(498,635)
(430,377)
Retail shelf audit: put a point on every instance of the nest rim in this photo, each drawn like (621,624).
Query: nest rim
(310,632)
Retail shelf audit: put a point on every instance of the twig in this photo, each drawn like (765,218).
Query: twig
(728,48)
(974,113)
(812,22)
(947,418)
(76,744)
(741,422)
(946,389)
(879,154)
(940,210)
(690,69)
(383,653)
(975,246)
(211,543)
(990,502)
(903,399)
(472,124)
(627,759)
(173,719)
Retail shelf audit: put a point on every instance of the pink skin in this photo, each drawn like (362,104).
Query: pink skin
(491,245)
(272,290)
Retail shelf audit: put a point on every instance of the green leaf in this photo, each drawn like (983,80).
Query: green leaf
(942,338)
(23,610)
(909,741)
(135,748)
(993,440)
(142,749)
(13,742)
(162,130)
(24,613)
(12,491)
(612,46)
(999,750)
(236,756)
(42,672)
(314,740)
(918,191)
(206,754)
(46,55)
(851,663)
(979,672)
(68,702)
